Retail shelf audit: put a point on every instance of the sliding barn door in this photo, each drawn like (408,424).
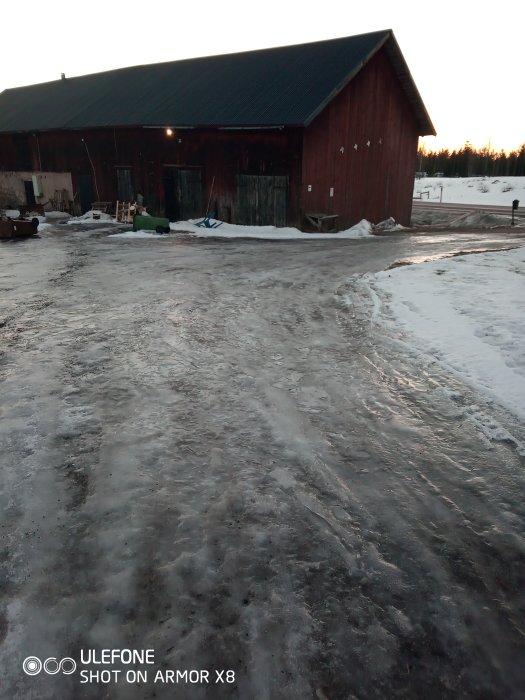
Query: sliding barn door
(262,200)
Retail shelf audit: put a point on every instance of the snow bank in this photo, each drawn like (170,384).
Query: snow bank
(361,230)
(92,217)
(472,190)
(468,313)
(271,233)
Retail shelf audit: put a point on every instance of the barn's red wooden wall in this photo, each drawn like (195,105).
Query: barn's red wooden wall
(221,154)
(374,181)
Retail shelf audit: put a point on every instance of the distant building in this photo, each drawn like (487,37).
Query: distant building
(261,137)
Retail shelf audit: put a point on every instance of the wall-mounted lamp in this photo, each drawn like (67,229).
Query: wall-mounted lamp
(169,132)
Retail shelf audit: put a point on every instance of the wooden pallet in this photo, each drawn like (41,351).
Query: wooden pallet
(104,207)
(125,211)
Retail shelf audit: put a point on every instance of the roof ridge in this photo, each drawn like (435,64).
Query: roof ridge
(281,85)
(248,52)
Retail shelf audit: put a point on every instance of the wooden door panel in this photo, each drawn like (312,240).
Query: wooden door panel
(262,200)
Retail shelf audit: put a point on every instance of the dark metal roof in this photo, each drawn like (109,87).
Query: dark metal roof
(286,86)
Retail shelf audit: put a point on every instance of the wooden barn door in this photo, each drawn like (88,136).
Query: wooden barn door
(183,193)
(262,200)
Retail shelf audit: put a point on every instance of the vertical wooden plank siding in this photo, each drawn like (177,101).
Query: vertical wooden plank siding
(221,155)
(364,145)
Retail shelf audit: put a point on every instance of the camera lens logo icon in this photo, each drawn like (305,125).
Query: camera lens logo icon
(32,666)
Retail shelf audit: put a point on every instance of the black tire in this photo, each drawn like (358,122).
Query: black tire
(35,221)
(160,229)
(166,229)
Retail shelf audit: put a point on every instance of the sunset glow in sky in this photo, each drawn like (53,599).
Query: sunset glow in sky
(467,61)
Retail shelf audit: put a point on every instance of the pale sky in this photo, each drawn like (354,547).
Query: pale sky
(466,57)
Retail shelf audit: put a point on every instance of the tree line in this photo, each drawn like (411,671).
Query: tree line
(469,162)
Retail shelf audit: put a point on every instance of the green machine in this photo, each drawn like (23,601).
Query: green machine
(151,223)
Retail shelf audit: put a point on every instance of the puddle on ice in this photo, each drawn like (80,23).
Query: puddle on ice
(418,259)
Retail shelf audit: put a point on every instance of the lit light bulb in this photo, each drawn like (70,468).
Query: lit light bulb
(169,132)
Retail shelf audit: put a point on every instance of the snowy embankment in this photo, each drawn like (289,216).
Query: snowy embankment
(468,314)
(270,233)
(361,230)
(97,218)
(93,217)
(492,191)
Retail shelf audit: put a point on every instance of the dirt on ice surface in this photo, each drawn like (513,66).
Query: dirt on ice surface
(209,451)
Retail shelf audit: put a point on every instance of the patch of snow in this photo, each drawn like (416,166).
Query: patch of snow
(492,429)
(92,217)
(137,234)
(361,230)
(387,226)
(468,313)
(12,213)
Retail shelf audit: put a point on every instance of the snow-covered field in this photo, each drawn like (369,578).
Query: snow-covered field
(471,190)
(466,313)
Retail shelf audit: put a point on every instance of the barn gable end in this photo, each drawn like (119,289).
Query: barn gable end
(359,153)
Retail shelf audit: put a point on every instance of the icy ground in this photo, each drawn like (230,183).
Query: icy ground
(209,449)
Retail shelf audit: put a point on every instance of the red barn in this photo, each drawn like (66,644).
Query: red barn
(260,137)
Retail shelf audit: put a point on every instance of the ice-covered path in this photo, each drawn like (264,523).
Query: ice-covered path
(206,451)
